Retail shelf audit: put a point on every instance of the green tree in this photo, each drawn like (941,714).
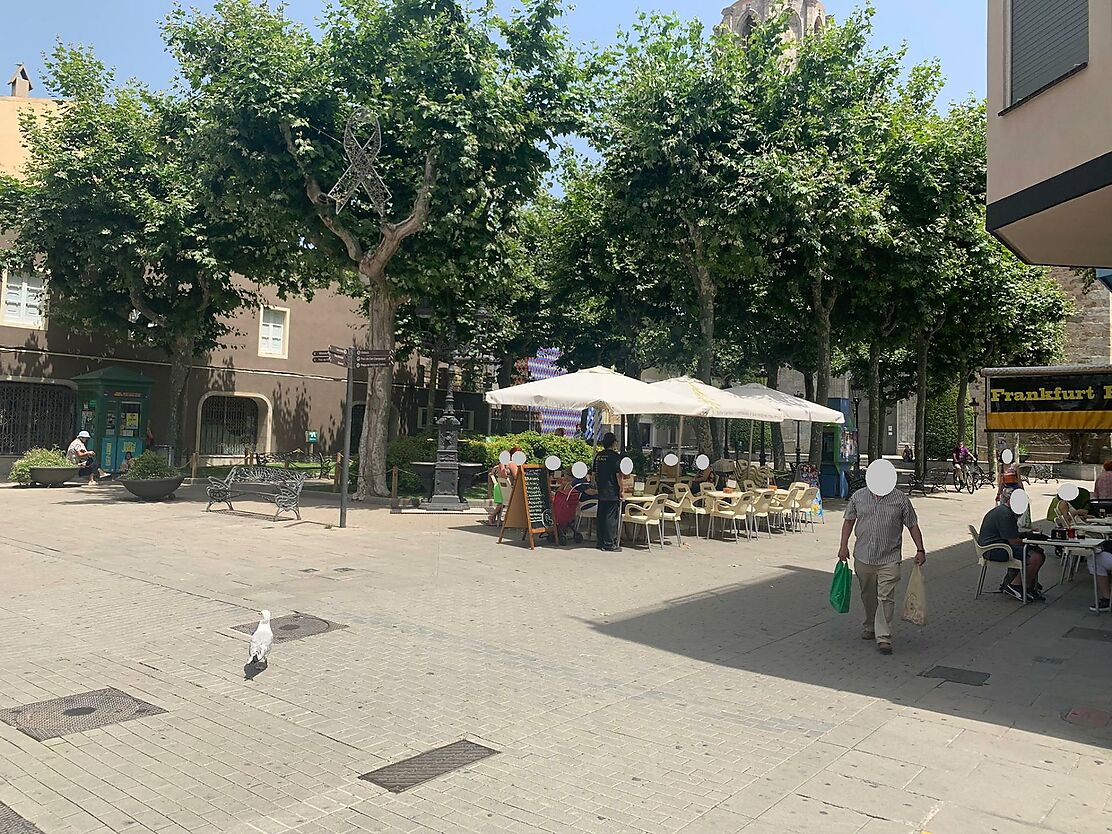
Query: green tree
(110,207)
(469,103)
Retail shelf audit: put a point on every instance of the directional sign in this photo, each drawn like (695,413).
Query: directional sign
(373,359)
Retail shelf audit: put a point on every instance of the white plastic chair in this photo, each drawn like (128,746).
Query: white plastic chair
(647,516)
(1012,563)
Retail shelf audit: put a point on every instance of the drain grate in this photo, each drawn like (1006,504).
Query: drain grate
(76,713)
(403,775)
(345,570)
(293,627)
(1053,661)
(1090,634)
(968,677)
(13,823)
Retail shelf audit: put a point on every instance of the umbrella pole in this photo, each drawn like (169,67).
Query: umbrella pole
(679,440)
(750,441)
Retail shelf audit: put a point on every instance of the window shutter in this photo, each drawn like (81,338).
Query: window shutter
(1049,38)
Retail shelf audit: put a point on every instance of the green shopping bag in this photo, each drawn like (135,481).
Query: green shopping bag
(841,588)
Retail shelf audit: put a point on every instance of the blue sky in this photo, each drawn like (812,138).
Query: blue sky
(125,33)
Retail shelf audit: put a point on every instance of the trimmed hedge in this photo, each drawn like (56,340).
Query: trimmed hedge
(405,450)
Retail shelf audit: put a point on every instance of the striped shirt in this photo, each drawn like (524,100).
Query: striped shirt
(880,523)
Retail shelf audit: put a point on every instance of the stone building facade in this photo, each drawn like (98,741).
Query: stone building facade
(805,16)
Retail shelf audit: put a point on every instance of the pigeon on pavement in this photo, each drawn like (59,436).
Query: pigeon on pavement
(262,640)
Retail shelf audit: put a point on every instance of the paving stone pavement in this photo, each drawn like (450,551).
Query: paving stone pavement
(705,688)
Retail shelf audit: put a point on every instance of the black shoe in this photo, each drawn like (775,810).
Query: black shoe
(613,549)
(1102,607)
(1014,592)
(1036,595)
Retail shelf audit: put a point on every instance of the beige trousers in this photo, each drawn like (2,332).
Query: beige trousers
(878,592)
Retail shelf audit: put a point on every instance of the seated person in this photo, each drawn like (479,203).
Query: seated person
(1068,514)
(127,463)
(1102,488)
(707,476)
(1000,526)
(78,454)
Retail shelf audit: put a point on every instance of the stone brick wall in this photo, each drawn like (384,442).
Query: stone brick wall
(1089,332)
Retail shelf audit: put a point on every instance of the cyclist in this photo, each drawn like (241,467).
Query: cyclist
(961,458)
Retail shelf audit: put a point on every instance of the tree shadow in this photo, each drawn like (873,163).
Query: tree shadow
(1036,673)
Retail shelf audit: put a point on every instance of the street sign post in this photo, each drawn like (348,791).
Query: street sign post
(350,358)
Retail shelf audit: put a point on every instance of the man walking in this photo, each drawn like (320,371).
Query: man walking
(608,480)
(879,512)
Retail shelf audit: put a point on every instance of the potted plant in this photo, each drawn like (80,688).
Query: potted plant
(1023,452)
(47,467)
(151,478)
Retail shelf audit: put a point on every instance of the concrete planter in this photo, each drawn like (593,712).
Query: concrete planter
(49,476)
(154,489)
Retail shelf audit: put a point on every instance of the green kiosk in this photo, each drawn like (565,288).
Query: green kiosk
(114,407)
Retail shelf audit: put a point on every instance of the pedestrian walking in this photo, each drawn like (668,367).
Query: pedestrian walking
(608,481)
(879,513)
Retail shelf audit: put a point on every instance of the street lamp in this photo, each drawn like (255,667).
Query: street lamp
(974,405)
(797,449)
(445,496)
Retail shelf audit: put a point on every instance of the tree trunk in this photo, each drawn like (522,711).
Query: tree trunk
(505,380)
(876,413)
(963,395)
(181,360)
(772,380)
(633,429)
(921,348)
(373,444)
(434,374)
(822,308)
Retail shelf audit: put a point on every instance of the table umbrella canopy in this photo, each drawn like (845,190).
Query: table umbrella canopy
(793,408)
(599,388)
(722,403)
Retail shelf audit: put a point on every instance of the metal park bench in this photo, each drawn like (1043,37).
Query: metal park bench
(286,496)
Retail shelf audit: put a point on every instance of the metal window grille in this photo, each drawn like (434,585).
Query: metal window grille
(35,415)
(229,426)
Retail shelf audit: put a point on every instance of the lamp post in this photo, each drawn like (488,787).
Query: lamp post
(445,495)
(857,431)
(974,405)
(797,449)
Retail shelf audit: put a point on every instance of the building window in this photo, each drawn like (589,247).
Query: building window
(748,26)
(1048,40)
(35,415)
(229,426)
(273,331)
(23,297)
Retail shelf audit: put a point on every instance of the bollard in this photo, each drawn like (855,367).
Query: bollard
(193,468)
(336,473)
(394,489)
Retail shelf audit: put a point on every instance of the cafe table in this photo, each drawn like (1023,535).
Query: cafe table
(1090,543)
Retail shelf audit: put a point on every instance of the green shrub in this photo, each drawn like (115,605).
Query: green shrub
(149,466)
(942,424)
(21,469)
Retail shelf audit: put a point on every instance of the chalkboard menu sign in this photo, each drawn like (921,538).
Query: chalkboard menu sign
(530,506)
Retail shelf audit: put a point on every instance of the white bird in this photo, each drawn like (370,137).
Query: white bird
(262,640)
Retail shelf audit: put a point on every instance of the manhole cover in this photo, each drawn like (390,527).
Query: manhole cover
(1090,634)
(964,676)
(76,714)
(293,627)
(13,823)
(409,773)
(1088,717)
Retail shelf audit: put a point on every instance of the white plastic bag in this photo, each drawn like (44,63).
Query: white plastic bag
(915,601)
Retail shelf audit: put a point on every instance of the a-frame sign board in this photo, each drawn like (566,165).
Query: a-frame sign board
(530,506)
